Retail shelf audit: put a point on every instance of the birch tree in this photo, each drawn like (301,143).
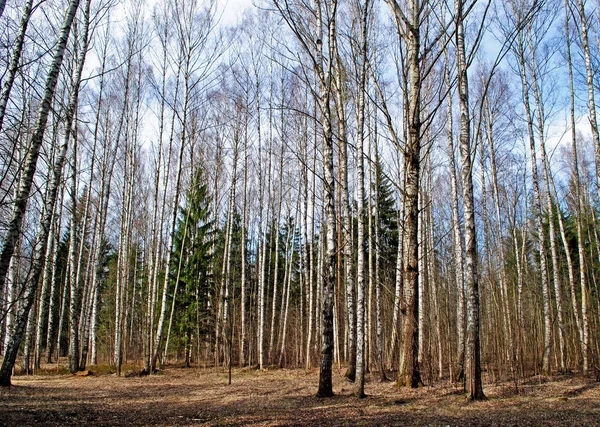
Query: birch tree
(25,184)
(473,356)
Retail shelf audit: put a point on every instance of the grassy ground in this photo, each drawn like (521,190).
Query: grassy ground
(284,397)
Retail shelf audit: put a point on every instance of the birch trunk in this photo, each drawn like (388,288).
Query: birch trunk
(276,272)
(359,387)
(243,285)
(172,226)
(541,120)
(502,267)
(311,279)
(457,248)
(325,73)
(55,287)
(14,67)
(582,322)
(473,356)
(30,165)
(346,217)
(589,73)
(410,372)
(12,349)
(537,211)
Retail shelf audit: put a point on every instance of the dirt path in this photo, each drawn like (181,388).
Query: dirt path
(286,397)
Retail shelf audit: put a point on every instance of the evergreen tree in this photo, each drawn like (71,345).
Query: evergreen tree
(192,253)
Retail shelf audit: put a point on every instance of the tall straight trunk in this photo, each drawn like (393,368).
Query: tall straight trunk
(243,284)
(312,311)
(74,309)
(226,276)
(276,271)
(346,217)
(158,211)
(157,256)
(287,284)
(87,283)
(62,317)
(325,74)
(433,281)
(45,295)
(47,287)
(73,284)
(519,292)
(127,205)
(359,386)
(540,114)
(30,165)
(582,322)
(410,374)
(29,336)
(87,309)
(398,285)
(102,214)
(423,278)
(502,267)
(522,270)
(172,226)
(399,273)
(122,265)
(473,356)
(13,67)
(589,74)
(261,236)
(375,184)
(319,286)
(12,348)
(457,247)
(52,266)
(537,211)
(304,248)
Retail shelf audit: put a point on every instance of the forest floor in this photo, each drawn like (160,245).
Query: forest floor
(282,397)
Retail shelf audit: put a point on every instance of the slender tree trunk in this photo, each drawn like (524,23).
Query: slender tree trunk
(46,295)
(12,349)
(55,287)
(29,167)
(541,120)
(13,67)
(172,230)
(346,217)
(311,249)
(473,356)
(325,379)
(29,336)
(502,267)
(410,372)
(538,213)
(276,271)
(287,284)
(589,73)
(359,387)
(456,234)
(582,322)
(243,285)
(73,284)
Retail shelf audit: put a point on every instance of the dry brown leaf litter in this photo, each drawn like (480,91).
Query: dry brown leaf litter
(287,397)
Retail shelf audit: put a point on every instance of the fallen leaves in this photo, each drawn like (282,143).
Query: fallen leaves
(287,397)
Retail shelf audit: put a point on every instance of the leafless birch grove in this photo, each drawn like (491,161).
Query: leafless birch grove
(401,190)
